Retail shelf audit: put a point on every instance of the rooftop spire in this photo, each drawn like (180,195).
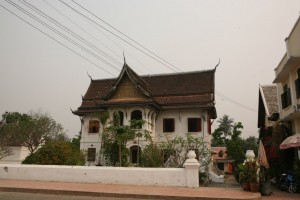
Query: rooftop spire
(124,58)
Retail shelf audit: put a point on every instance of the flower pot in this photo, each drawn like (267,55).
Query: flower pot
(254,187)
(265,188)
(246,186)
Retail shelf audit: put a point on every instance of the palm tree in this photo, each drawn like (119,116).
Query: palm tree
(226,124)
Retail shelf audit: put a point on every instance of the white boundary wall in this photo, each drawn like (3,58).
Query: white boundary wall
(185,177)
(104,175)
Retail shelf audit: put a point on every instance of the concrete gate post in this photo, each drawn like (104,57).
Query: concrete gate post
(192,170)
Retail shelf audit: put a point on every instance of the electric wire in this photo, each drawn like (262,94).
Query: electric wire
(55,40)
(235,102)
(223,96)
(127,36)
(64,28)
(82,29)
(59,33)
(218,93)
(117,36)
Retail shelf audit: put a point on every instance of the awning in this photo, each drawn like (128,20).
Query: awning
(292,141)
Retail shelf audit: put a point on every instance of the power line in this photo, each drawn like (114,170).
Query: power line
(225,97)
(117,35)
(126,36)
(70,20)
(64,28)
(54,39)
(78,37)
(235,102)
(60,34)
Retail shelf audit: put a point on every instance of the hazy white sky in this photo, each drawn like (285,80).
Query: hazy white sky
(36,72)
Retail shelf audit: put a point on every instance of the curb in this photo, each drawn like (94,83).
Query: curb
(119,195)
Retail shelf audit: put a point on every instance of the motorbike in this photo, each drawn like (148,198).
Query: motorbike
(288,182)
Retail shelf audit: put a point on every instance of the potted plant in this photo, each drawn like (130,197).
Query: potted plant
(265,182)
(244,177)
(253,169)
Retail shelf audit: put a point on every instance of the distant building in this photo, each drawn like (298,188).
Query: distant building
(171,104)
(220,160)
(268,115)
(18,152)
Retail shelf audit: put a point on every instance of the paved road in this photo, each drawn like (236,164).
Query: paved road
(31,196)
(278,195)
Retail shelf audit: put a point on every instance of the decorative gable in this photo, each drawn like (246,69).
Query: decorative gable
(126,90)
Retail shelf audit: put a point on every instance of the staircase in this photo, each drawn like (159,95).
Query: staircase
(216,175)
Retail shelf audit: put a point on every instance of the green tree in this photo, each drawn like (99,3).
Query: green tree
(251,143)
(180,146)
(235,145)
(57,151)
(113,136)
(152,155)
(30,130)
(226,125)
(10,126)
(218,140)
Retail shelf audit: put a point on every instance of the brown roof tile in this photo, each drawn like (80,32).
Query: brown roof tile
(270,96)
(189,89)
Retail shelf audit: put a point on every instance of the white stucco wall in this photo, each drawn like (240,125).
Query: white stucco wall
(181,123)
(18,155)
(104,175)
(154,123)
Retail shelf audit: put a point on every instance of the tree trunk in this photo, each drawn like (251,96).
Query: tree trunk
(120,154)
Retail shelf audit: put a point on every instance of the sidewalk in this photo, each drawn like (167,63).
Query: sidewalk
(128,191)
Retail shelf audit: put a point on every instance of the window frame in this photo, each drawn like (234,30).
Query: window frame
(168,125)
(94,126)
(91,154)
(194,124)
(286,100)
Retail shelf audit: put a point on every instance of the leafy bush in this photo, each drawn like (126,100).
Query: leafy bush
(59,152)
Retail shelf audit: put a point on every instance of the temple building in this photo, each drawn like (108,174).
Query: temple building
(170,104)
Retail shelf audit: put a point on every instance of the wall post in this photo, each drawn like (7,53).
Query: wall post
(192,170)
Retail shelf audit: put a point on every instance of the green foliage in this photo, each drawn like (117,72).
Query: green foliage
(57,152)
(226,125)
(248,171)
(217,138)
(180,146)
(115,138)
(152,156)
(236,146)
(29,130)
(251,143)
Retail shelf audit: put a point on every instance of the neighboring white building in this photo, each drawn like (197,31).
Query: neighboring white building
(171,104)
(287,79)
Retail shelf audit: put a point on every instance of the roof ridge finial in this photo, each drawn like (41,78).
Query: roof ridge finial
(89,76)
(124,58)
(217,64)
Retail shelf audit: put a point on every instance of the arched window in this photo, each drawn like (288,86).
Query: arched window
(137,115)
(119,118)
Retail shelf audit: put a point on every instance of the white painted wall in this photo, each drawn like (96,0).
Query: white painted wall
(93,140)
(181,123)
(90,140)
(185,177)
(104,175)
(19,154)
